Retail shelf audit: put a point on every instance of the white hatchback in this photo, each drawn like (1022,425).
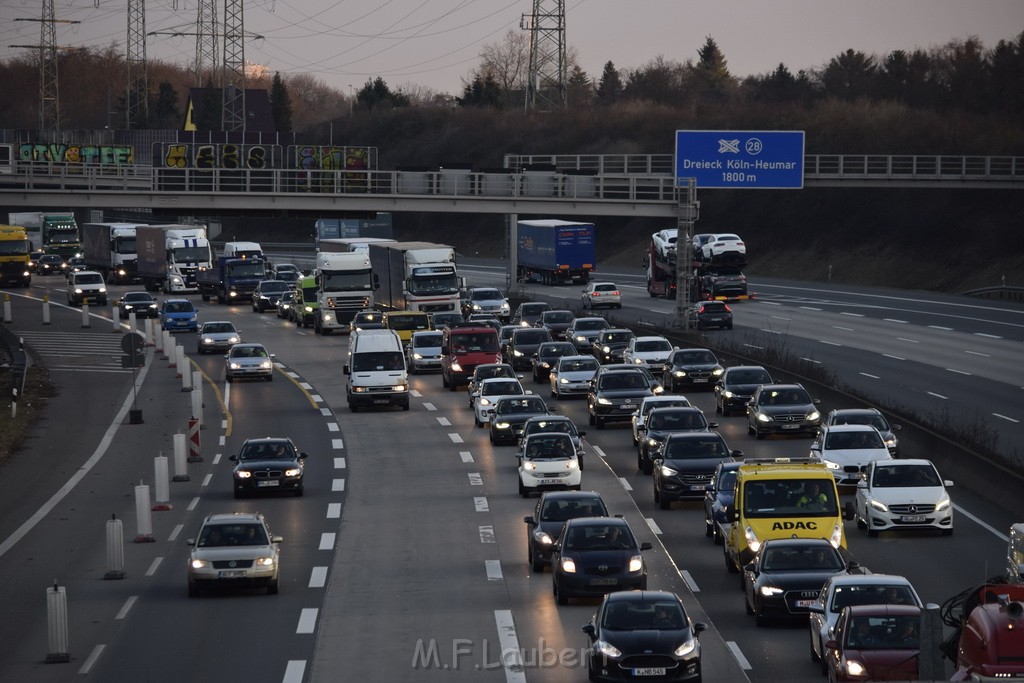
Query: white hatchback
(601,294)
(491,390)
(547,460)
(652,351)
(903,494)
(848,449)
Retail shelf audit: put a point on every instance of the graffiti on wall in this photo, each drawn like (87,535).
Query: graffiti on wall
(352,161)
(103,155)
(226,156)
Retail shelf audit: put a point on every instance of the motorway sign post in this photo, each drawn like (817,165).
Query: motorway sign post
(731,159)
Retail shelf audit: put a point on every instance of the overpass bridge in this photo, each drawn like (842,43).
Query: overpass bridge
(565,185)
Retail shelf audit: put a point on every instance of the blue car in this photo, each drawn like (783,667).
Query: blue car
(179,314)
(719,495)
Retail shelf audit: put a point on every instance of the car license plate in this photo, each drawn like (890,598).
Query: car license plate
(649,672)
(553,481)
(696,487)
(700,380)
(380,400)
(233,574)
(912,518)
(604,581)
(790,426)
(804,603)
(268,482)
(626,406)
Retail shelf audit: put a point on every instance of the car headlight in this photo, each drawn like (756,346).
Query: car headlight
(307,309)
(762,417)
(417,356)
(571,464)
(679,373)
(604,401)
(636,563)
(836,539)
(193,318)
(831,465)
(686,648)
(563,380)
(103,290)
(176,280)
(717,371)
(668,471)
(207,340)
(580,338)
(200,564)
(234,366)
(517,352)
(813,416)
(542,537)
(78,290)
(728,394)
(943,504)
(400,387)
(266,365)
(607,649)
(264,561)
(484,401)
(568,565)
(753,542)
(652,442)
(545,366)
(880,506)
(658,390)
(292,472)
(243,474)
(502,425)
(770,591)
(891,442)
(328,317)
(476,307)
(529,466)
(606,349)
(638,361)
(855,668)
(233,340)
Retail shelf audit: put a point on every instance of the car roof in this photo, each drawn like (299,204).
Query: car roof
(641,596)
(231,517)
(590,319)
(570,495)
(746,367)
(167,301)
(780,387)
(869,580)
(551,418)
(597,521)
(218,322)
(906,462)
(883,610)
(848,428)
(798,542)
(423,333)
(250,345)
(651,338)
(267,439)
(492,380)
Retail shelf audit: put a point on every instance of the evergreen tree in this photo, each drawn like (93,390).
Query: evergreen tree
(609,88)
(579,89)
(376,94)
(208,116)
(280,105)
(712,72)
(482,92)
(849,76)
(164,112)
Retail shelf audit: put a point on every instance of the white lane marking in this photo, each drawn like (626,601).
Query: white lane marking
(625,484)
(987,336)
(770,331)
(227,397)
(339,463)
(852,315)
(318,577)
(430,406)
(192,505)
(127,606)
(223,424)
(455,438)
(654,525)
(512,657)
(811,308)
(889,355)
(810,360)
(152,567)
(466,456)
(781,317)
(307,620)
(475,479)
(291,373)
(174,533)
(305,385)
(444,422)
(415,393)
(93,656)
(597,449)
(480,503)
(316,398)
(977,353)
(770,303)
(221,441)
(333,510)
(959,372)
(844,329)
(332,426)
(294,672)
(894,320)
(830,343)
(1007,418)
(694,588)
(932,393)
(940,327)
(998,534)
(207,479)
(909,341)
(337,444)
(487,534)
(338,485)
(327,540)
(738,654)
(80,473)
(493,568)
(865,374)
(325,412)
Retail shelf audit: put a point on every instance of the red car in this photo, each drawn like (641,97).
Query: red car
(875,643)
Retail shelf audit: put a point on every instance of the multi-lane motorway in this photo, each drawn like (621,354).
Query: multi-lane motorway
(406,558)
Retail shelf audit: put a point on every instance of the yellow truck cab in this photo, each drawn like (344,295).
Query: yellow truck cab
(15,261)
(782,498)
(405,323)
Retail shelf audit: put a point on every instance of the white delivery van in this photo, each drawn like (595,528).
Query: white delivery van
(376,370)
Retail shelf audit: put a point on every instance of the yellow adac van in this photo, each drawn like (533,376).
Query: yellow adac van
(782,498)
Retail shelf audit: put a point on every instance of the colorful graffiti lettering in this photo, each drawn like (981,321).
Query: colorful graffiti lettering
(325,158)
(105,155)
(227,156)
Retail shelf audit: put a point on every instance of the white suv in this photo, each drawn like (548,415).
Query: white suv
(86,287)
(903,494)
(650,351)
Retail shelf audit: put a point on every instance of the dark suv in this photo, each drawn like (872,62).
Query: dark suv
(705,314)
(547,357)
(782,409)
(597,555)
(687,465)
(693,369)
(268,466)
(660,424)
(523,344)
(609,345)
(616,396)
(529,313)
(510,412)
(737,385)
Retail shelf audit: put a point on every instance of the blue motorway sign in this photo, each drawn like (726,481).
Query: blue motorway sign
(736,159)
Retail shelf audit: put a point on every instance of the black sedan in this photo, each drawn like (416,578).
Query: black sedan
(506,424)
(782,409)
(639,635)
(660,423)
(523,344)
(556,322)
(553,509)
(268,293)
(50,264)
(785,578)
(268,465)
(718,496)
(737,385)
(616,396)
(594,556)
(687,465)
(609,345)
(547,357)
(691,369)
(142,303)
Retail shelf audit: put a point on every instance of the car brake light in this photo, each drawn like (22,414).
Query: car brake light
(597,293)
(727,308)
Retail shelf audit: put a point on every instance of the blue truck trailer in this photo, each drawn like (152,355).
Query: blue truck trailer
(555,251)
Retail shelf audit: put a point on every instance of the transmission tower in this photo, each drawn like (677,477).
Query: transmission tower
(49,100)
(545,86)
(206,41)
(233,112)
(137,92)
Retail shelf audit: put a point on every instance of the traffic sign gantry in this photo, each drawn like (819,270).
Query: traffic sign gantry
(731,159)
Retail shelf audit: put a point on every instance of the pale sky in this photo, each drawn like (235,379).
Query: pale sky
(437,43)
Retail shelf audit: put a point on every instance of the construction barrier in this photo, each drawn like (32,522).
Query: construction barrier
(195,451)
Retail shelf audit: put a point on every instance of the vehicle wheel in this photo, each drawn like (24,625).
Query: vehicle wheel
(639,460)
(861,524)
(522,489)
(255,310)
(947,532)
(598,422)
(476,421)
(760,621)
(728,563)
(270,377)
(193,589)
(618,305)
(272,588)
(590,418)
(536,565)
(554,394)
(743,586)
(405,406)
(750,430)
(657,494)
(299,492)
(758,434)
(664,504)
(746,605)
(452,385)
(709,528)
(591,674)
(559,598)
(353,408)
(444,381)
(717,535)
(239,494)
(729,326)
(490,436)
(648,466)
(199,350)
(815,657)
(229,379)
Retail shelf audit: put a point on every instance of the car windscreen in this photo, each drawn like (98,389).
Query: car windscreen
(789,397)
(556,350)
(853,440)
(801,557)
(605,288)
(137,297)
(870,594)
(749,377)
(271,286)
(377,360)
(485,295)
(215,535)
(212,328)
(512,406)
(477,342)
(561,510)
(548,446)
(530,337)
(635,615)
(499,388)
(599,537)
(494,371)
(556,426)
(426,340)
(238,351)
(673,403)
(89,279)
(873,419)
(584,365)
(658,345)
(667,419)
(582,325)
(694,358)
(267,451)
(784,497)
(623,380)
(180,307)
(408,322)
(558,317)
(534,309)
(682,449)
(616,337)
(905,476)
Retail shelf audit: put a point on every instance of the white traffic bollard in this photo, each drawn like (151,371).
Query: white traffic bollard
(46,309)
(143,515)
(168,348)
(149,332)
(180,367)
(115,319)
(85,315)
(197,405)
(162,489)
(57,624)
(180,458)
(115,549)
(7,308)
(133,322)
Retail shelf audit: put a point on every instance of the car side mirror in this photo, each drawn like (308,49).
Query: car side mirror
(190,541)
(277,539)
(699,627)
(646,546)
(582,433)
(233,458)
(712,425)
(530,520)
(590,630)
(344,369)
(862,484)
(831,644)
(947,483)
(737,454)
(751,567)
(895,428)
(303,455)
(817,609)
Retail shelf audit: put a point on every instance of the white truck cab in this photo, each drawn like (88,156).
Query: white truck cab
(376,370)
(243,250)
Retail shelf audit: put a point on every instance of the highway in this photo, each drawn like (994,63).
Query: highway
(406,558)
